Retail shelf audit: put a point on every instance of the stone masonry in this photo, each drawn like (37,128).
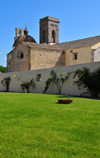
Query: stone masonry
(14,63)
(27,54)
(41,59)
(48,24)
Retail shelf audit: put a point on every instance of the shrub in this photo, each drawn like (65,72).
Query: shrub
(90,80)
(6,82)
(25,85)
(59,81)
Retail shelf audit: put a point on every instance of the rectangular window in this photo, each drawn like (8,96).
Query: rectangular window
(38,77)
(75,56)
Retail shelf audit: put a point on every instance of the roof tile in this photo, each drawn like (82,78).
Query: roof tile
(80,43)
(42,46)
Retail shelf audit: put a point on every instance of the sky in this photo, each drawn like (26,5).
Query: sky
(78,19)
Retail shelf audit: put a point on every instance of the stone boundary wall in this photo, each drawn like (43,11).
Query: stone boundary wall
(67,89)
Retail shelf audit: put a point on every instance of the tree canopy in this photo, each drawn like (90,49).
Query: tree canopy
(3,69)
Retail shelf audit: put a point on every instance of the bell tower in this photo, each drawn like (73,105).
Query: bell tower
(18,32)
(49,30)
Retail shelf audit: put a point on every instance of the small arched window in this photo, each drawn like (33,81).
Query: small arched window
(44,36)
(53,36)
(21,55)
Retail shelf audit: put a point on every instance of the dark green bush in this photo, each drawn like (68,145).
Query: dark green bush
(90,80)
(6,82)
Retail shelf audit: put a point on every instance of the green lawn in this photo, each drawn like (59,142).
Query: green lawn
(36,126)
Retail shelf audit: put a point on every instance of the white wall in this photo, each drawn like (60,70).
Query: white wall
(97,55)
(68,87)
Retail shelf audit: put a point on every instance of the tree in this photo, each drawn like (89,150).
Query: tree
(3,69)
(25,85)
(59,81)
(6,82)
(90,80)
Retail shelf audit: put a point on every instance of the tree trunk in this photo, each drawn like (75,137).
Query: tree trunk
(59,91)
(27,90)
(7,88)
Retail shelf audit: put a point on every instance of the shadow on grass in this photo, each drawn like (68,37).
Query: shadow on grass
(57,103)
(62,103)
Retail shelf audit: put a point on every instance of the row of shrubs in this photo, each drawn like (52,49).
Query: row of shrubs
(90,80)
(25,85)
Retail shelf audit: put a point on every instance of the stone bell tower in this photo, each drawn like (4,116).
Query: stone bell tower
(18,32)
(49,30)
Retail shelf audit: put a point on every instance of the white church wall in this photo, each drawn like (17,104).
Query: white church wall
(67,89)
(97,55)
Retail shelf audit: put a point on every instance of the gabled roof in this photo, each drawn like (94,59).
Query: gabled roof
(80,43)
(42,46)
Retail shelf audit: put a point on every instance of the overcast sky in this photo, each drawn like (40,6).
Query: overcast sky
(78,19)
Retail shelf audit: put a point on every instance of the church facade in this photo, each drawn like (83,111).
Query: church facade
(29,55)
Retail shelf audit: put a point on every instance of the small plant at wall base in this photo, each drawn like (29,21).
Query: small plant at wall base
(59,81)
(25,85)
(6,82)
(90,80)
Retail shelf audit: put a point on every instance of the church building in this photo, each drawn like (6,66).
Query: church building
(27,54)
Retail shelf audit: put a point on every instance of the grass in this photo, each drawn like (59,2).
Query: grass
(36,126)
